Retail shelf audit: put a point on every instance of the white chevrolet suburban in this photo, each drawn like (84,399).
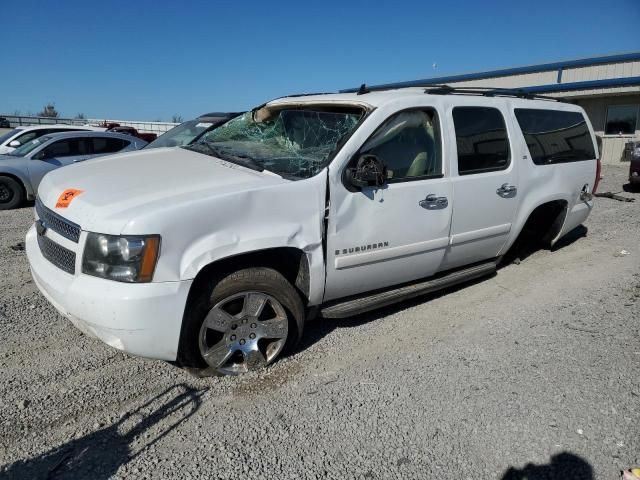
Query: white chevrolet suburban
(213,254)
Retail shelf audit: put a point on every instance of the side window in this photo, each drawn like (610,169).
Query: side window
(554,136)
(66,148)
(408,143)
(27,137)
(108,145)
(621,120)
(482,140)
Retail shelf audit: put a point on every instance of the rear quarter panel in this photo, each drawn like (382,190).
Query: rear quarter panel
(540,184)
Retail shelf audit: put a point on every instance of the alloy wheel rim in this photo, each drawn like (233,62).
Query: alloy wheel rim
(243,332)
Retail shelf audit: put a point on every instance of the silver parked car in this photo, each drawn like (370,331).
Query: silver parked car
(22,169)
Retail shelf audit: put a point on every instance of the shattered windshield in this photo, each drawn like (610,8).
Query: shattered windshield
(293,142)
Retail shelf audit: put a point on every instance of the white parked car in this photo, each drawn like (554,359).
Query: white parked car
(214,254)
(21,135)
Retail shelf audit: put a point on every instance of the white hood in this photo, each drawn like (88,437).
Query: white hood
(119,188)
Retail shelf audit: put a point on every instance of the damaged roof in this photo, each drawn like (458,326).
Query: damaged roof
(370,99)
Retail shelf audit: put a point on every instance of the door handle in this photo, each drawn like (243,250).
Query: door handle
(507,190)
(433,202)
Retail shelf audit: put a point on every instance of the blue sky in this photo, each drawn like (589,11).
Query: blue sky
(148,60)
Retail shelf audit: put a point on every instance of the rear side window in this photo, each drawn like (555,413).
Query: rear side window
(482,140)
(554,136)
(108,145)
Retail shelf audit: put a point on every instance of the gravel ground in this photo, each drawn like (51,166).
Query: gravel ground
(532,373)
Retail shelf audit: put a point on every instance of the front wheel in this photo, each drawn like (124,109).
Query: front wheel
(11,193)
(243,322)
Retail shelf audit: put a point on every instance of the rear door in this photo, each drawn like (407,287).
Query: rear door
(382,236)
(485,184)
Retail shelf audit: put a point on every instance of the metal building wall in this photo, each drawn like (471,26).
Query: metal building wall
(568,75)
(596,108)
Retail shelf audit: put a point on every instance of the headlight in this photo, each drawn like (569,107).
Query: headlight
(124,259)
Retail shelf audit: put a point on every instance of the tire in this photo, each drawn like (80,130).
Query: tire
(11,193)
(239,322)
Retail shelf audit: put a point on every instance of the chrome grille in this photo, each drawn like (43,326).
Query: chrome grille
(57,223)
(61,257)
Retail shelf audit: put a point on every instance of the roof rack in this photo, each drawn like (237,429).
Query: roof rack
(487,92)
(435,89)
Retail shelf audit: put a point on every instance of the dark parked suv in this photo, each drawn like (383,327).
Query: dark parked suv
(4,123)
(634,166)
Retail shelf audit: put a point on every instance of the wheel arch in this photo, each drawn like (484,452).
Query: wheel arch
(291,262)
(28,192)
(546,217)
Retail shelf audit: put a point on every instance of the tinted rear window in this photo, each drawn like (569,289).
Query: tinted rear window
(108,145)
(554,136)
(482,140)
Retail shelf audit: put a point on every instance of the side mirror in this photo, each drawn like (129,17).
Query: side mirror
(14,144)
(368,172)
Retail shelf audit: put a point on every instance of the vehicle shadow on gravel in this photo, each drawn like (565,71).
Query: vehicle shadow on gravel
(318,328)
(26,204)
(563,466)
(525,246)
(99,454)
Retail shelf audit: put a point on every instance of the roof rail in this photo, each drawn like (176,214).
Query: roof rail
(435,89)
(486,92)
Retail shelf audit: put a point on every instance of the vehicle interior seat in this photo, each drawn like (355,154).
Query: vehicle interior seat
(411,152)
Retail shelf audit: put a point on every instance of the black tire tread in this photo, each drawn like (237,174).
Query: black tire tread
(18,193)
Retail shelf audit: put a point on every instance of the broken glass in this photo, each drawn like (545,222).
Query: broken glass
(292,142)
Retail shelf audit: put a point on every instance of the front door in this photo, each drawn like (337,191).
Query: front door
(55,155)
(399,232)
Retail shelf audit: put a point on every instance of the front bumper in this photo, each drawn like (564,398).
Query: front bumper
(142,319)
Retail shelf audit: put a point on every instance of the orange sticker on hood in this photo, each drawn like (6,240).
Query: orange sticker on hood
(67,197)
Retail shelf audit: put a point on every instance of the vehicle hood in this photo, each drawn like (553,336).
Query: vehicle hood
(117,189)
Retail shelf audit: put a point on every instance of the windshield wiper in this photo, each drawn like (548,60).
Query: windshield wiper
(245,161)
(241,160)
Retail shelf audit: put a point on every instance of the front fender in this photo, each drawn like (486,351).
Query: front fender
(20,174)
(290,215)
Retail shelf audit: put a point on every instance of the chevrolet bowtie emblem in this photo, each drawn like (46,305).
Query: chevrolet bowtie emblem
(41,228)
